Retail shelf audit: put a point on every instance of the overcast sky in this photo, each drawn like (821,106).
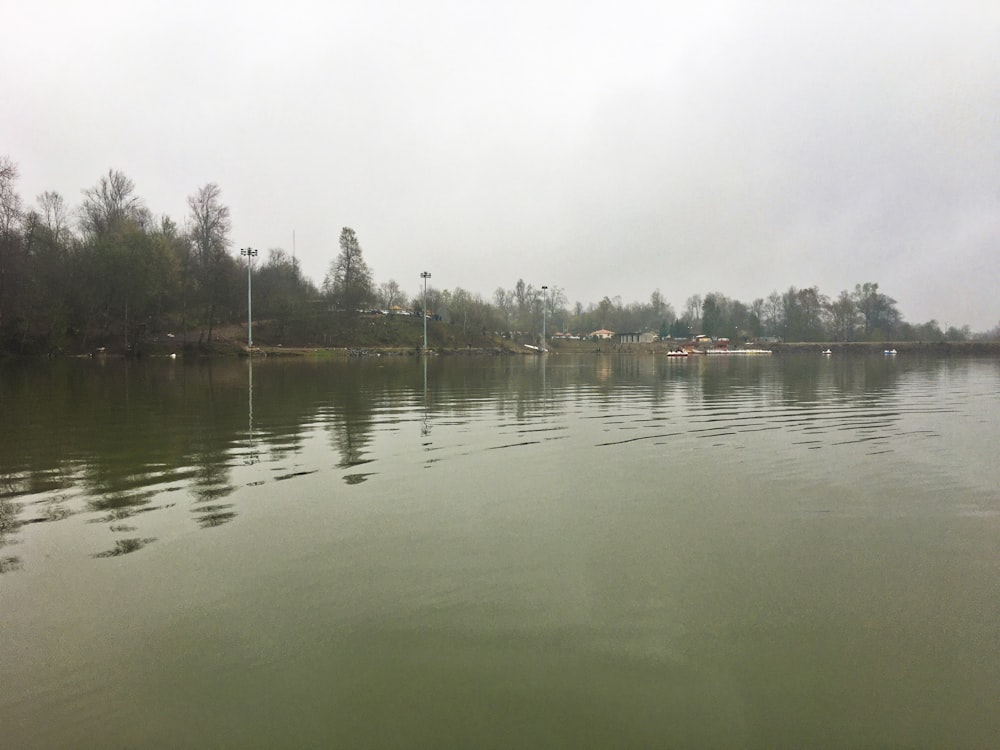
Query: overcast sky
(604,148)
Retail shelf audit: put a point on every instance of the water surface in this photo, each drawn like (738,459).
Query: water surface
(592,551)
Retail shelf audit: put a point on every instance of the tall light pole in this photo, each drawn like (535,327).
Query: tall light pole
(545,303)
(425,275)
(249,252)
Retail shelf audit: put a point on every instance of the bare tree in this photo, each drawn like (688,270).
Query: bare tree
(110,203)
(390,295)
(527,301)
(774,313)
(11,208)
(692,312)
(11,212)
(210,223)
(208,229)
(557,307)
(54,215)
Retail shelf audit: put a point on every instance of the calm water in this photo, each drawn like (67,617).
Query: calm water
(517,552)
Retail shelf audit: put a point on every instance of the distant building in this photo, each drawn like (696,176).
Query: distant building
(646,337)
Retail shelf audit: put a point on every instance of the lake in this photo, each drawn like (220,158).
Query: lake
(541,551)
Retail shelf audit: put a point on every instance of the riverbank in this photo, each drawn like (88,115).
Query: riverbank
(841,348)
(936,348)
(393,336)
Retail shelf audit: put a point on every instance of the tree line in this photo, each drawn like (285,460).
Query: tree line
(107,272)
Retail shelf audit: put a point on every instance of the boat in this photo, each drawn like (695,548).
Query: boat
(677,353)
(889,352)
(740,352)
(827,352)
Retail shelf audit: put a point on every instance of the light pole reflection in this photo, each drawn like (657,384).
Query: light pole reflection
(425,427)
(251,456)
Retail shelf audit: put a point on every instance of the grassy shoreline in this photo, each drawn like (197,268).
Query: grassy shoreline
(505,348)
(388,336)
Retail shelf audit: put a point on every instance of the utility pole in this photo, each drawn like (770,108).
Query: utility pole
(425,275)
(545,304)
(249,252)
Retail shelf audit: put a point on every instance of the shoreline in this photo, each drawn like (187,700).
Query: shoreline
(229,348)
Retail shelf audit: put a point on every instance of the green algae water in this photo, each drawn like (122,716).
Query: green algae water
(455,552)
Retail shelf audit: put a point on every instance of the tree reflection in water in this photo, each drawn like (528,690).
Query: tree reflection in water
(125,547)
(214,515)
(9,523)
(120,505)
(111,441)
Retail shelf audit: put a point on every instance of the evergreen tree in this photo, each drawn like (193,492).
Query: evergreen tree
(349,281)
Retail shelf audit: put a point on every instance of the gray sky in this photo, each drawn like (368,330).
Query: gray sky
(604,148)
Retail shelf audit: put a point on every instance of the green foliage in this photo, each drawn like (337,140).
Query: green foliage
(281,294)
(844,318)
(803,314)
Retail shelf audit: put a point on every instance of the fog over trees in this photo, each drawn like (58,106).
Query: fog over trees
(73,277)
